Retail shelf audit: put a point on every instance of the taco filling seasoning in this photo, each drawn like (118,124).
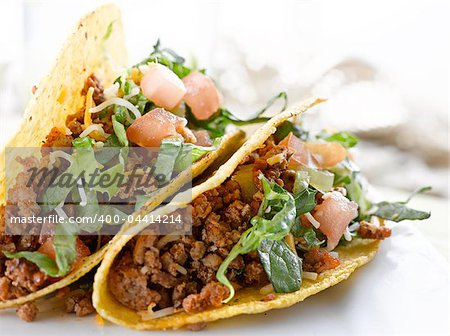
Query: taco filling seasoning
(159,103)
(273,223)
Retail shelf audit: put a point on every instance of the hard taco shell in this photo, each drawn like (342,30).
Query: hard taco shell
(249,301)
(97,47)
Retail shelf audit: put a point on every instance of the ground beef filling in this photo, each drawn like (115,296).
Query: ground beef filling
(370,231)
(27,312)
(19,277)
(182,273)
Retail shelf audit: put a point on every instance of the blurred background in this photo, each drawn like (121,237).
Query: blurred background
(383,65)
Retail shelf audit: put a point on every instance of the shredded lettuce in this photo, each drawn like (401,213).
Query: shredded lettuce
(273,221)
(64,243)
(119,130)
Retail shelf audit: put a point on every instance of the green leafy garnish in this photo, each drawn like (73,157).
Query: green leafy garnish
(308,234)
(305,197)
(283,267)
(217,124)
(273,221)
(65,252)
(169,58)
(398,211)
(287,127)
(119,130)
(175,155)
(348,176)
(44,262)
(344,138)
(83,163)
(167,156)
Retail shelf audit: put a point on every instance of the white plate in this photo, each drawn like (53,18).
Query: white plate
(403,291)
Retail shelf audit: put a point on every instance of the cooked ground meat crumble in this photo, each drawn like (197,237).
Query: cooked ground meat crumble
(19,277)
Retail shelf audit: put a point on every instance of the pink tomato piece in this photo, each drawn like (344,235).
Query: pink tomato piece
(202,96)
(154,126)
(327,154)
(301,156)
(334,214)
(162,86)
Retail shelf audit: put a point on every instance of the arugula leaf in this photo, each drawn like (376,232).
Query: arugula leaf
(398,211)
(308,234)
(344,138)
(348,175)
(280,96)
(305,197)
(217,124)
(416,192)
(283,267)
(287,127)
(119,130)
(305,201)
(274,221)
(169,58)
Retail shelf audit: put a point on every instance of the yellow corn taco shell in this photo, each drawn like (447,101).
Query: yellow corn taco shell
(96,47)
(249,301)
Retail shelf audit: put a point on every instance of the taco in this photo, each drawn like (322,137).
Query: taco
(286,217)
(87,104)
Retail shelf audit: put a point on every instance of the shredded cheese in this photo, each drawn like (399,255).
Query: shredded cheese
(59,210)
(99,135)
(266,289)
(143,68)
(167,239)
(149,314)
(181,269)
(59,154)
(111,91)
(275,159)
(309,275)
(334,254)
(116,101)
(133,93)
(347,235)
(312,220)
(82,193)
(354,227)
(89,104)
